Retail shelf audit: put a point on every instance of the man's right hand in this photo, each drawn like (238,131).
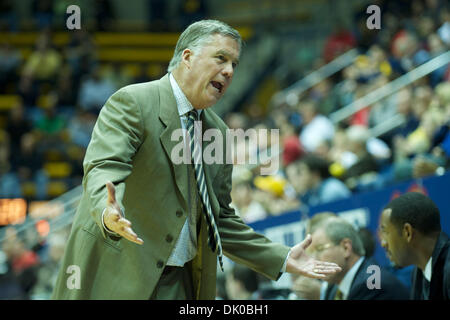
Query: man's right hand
(113,218)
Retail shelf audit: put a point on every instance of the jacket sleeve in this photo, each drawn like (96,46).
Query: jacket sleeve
(116,137)
(240,242)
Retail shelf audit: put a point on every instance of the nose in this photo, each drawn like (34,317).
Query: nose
(228,70)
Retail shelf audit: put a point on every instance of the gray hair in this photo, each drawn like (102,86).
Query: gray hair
(196,35)
(338,229)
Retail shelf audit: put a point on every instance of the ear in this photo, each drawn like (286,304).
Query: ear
(407,232)
(186,57)
(346,244)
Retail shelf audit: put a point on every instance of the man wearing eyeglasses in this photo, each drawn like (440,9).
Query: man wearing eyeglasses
(337,241)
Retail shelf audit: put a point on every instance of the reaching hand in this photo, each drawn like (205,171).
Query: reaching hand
(301,263)
(113,218)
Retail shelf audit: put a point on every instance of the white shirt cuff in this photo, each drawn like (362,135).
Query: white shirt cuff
(106,229)
(283,268)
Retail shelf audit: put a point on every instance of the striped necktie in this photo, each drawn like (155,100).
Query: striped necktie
(196,153)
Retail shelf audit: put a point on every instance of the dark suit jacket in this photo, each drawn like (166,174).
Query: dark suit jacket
(391,287)
(440,274)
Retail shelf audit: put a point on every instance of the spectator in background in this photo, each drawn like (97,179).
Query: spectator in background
(306,288)
(23,262)
(51,124)
(81,56)
(10,288)
(67,95)
(314,183)
(28,91)
(9,182)
(244,202)
(241,283)
(29,166)
(411,234)
(142,74)
(94,92)
(316,127)
(338,43)
(404,107)
(45,62)
(17,127)
(292,149)
(81,126)
(46,277)
(10,61)
(117,76)
(364,162)
(338,241)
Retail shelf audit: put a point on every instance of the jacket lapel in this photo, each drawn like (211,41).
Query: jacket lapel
(168,114)
(437,267)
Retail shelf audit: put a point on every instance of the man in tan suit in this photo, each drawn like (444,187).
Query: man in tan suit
(131,181)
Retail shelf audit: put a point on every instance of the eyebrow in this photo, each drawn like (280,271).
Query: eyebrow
(228,54)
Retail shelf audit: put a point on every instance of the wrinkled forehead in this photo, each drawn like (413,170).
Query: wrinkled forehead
(224,42)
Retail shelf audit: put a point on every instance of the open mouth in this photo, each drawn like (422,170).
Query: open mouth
(217,85)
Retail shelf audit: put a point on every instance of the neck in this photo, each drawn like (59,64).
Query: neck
(352,260)
(424,249)
(181,79)
(350,263)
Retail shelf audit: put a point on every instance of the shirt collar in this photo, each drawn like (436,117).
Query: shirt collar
(427,271)
(183,104)
(346,283)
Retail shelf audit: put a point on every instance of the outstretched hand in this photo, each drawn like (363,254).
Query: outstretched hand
(301,263)
(113,217)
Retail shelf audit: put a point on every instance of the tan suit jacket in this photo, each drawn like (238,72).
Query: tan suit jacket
(131,146)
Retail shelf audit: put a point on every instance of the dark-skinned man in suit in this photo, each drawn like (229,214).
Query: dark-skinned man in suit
(411,234)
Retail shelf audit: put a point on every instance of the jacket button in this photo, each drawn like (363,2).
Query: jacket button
(160,264)
(179,213)
(169,238)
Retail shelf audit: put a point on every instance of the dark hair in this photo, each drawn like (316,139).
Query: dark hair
(416,209)
(317,164)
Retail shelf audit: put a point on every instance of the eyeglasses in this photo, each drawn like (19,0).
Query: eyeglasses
(322,247)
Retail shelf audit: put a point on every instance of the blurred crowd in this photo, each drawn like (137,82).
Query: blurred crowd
(61,90)
(324,160)
(47,130)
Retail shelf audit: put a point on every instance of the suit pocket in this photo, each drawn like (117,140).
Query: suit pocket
(91,229)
